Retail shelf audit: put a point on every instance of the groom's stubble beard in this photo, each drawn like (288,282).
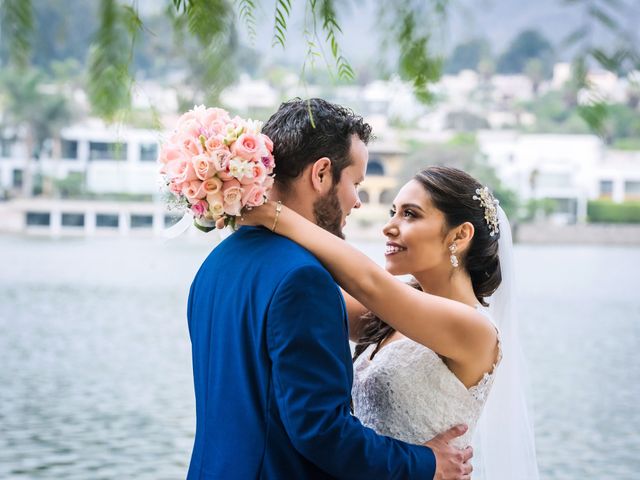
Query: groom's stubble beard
(328,213)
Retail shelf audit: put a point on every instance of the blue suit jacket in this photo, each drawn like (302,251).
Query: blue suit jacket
(273,372)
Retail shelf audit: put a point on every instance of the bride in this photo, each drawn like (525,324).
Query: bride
(443,350)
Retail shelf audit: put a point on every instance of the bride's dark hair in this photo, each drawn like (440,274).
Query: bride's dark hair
(451,191)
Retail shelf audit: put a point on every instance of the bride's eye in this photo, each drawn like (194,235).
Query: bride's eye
(409,213)
(392,212)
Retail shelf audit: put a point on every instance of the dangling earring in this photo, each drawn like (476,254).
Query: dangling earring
(454,260)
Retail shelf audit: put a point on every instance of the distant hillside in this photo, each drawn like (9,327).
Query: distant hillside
(498,20)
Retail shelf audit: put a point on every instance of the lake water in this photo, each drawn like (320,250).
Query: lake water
(95,370)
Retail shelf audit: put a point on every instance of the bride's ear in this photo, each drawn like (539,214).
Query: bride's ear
(321,175)
(463,236)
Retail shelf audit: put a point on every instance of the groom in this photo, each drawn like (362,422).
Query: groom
(271,359)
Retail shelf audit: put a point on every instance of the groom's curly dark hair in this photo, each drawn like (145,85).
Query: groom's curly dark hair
(304,131)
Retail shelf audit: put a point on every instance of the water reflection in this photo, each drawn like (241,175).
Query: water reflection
(95,372)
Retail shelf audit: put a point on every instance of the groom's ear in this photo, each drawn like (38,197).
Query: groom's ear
(321,179)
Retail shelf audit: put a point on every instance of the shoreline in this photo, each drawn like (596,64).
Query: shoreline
(82,218)
(547,234)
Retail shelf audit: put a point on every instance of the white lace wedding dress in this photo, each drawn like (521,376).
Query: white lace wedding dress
(407,392)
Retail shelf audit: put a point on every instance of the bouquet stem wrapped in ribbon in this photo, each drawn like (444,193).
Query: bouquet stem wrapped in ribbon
(214,166)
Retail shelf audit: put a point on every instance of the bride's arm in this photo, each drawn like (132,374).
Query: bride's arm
(355,310)
(450,328)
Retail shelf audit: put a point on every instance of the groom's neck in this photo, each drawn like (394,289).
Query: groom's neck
(295,200)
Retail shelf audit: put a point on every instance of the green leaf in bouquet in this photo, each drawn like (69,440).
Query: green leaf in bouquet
(202,228)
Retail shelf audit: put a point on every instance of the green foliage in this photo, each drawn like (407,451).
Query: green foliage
(622,122)
(626,144)
(616,122)
(331,28)
(41,115)
(605,211)
(407,25)
(528,45)
(213,60)
(536,206)
(110,82)
(283,10)
(535,71)
(610,17)
(468,55)
(246,12)
(407,28)
(323,12)
(208,20)
(463,139)
(416,63)
(24,103)
(16,29)
(71,186)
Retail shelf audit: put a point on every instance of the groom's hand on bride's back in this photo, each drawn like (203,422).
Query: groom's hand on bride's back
(451,463)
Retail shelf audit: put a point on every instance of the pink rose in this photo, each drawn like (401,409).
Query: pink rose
(216,205)
(190,145)
(233,208)
(187,119)
(181,171)
(214,143)
(232,196)
(218,128)
(198,209)
(212,115)
(169,153)
(268,183)
(225,174)
(253,196)
(245,146)
(210,186)
(189,127)
(220,159)
(193,192)
(203,167)
(268,162)
(257,175)
(267,142)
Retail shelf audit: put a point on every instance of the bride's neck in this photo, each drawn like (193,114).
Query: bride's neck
(456,286)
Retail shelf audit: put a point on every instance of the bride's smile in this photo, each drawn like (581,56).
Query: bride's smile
(415,233)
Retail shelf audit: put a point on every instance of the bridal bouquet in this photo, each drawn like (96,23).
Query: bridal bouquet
(214,166)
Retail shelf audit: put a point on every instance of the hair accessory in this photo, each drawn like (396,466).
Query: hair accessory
(275,220)
(490,205)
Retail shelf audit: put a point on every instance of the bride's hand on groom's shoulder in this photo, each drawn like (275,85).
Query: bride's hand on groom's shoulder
(451,463)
